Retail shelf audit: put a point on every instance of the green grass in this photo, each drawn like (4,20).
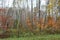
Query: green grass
(41,37)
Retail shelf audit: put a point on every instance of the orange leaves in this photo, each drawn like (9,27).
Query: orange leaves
(51,21)
(41,24)
(41,20)
(58,22)
(28,22)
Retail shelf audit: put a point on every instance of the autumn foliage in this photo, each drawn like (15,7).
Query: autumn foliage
(42,24)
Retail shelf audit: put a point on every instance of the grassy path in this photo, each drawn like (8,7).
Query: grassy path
(44,37)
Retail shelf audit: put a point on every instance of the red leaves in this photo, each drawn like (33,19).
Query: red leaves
(2,9)
(3,21)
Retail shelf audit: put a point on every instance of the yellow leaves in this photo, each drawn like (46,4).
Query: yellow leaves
(50,6)
(38,25)
(59,2)
(50,1)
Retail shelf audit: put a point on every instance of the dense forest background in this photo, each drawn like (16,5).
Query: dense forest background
(30,17)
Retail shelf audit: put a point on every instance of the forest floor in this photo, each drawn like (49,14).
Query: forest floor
(41,37)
